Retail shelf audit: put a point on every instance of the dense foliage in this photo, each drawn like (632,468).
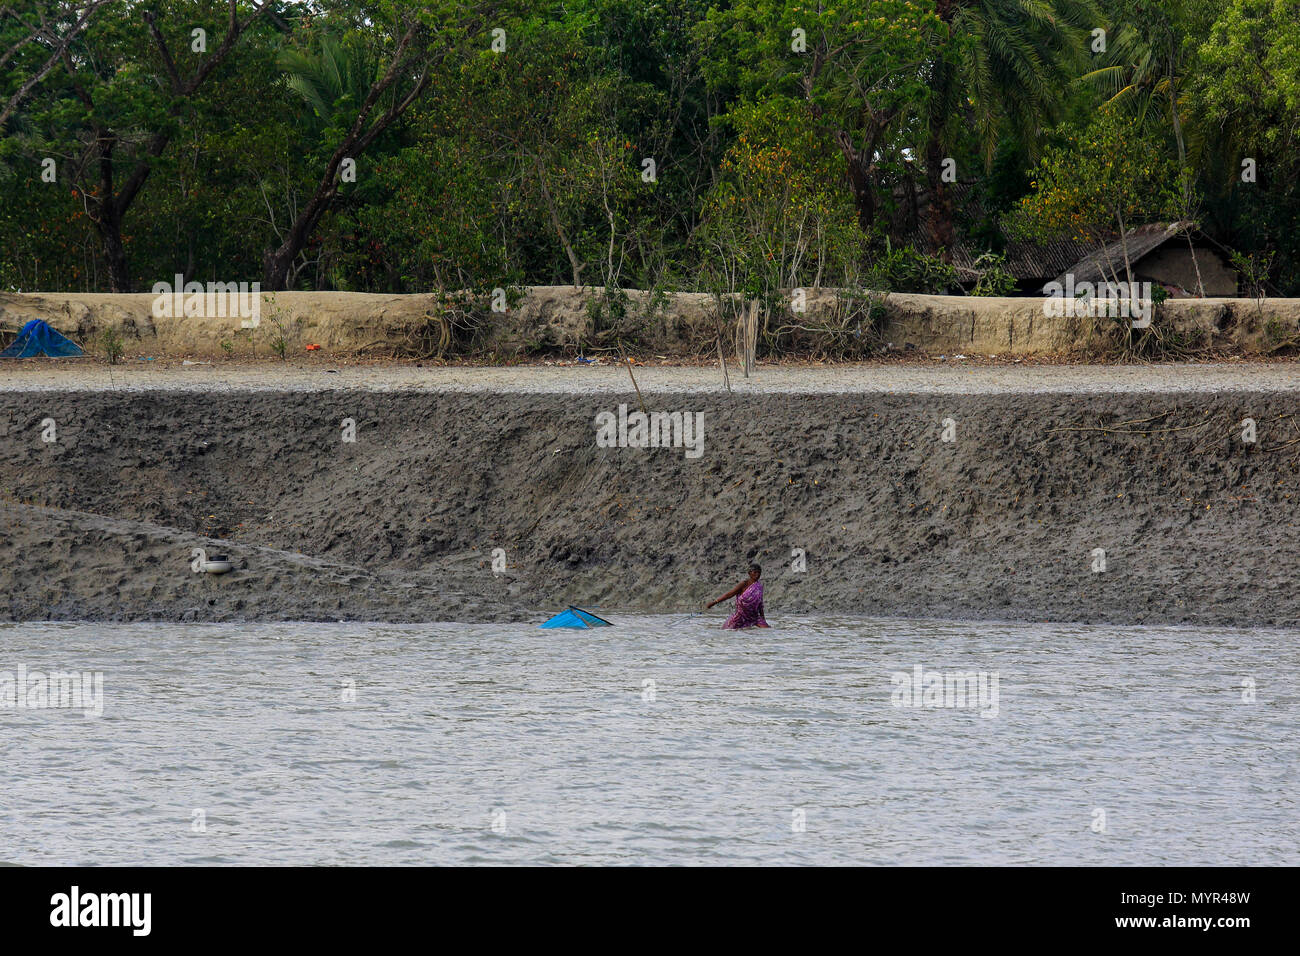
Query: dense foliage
(750,146)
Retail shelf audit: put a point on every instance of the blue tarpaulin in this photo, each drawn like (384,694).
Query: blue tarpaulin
(576,617)
(37,338)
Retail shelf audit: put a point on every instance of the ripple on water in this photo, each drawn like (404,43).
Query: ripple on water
(384,744)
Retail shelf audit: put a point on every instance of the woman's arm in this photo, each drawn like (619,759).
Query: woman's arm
(730,594)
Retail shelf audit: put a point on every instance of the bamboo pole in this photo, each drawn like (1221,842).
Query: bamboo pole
(627,363)
(722,361)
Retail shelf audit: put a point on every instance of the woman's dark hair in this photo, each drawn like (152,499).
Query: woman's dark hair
(755,567)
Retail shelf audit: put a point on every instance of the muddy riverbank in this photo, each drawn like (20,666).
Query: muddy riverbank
(851,499)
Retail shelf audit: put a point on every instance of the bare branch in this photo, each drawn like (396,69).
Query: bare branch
(55,57)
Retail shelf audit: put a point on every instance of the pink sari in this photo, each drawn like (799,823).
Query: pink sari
(749,609)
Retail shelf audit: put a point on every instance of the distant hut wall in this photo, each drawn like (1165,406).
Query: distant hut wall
(1172,264)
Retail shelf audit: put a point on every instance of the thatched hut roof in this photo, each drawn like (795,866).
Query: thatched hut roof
(1099,264)
(1028,262)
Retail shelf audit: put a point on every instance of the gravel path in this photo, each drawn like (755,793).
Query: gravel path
(954,377)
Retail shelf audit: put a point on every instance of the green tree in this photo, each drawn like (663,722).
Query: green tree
(45,28)
(356,96)
(1243,101)
(776,219)
(127,84)
(857,75)
(1103,182)
(1001,65)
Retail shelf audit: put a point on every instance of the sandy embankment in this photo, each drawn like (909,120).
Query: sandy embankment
(1196,525)
(550,318)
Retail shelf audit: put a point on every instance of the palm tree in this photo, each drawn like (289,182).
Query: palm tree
(332,80)
(354,101)
(1005,62)
(1144,69)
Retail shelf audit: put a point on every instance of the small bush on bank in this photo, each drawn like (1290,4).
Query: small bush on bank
(903,269)
(458,324)
(851,328)
(110,341)
(618,322)
(1113,338)
(995,279)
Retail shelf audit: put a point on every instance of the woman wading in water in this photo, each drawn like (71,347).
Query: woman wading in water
(749,602)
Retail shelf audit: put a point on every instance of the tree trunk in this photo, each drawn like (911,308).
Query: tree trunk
(276,263)
(1182,162)
(574,263)
(940,227)
(275,267)
(1200,284)
(1123,244)
(119,272)
(861,183)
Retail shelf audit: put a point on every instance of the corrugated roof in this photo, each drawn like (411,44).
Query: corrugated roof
(1099,264)
(1027,261)
(1031,260)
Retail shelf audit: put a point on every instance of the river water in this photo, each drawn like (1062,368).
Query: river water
(653,742)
